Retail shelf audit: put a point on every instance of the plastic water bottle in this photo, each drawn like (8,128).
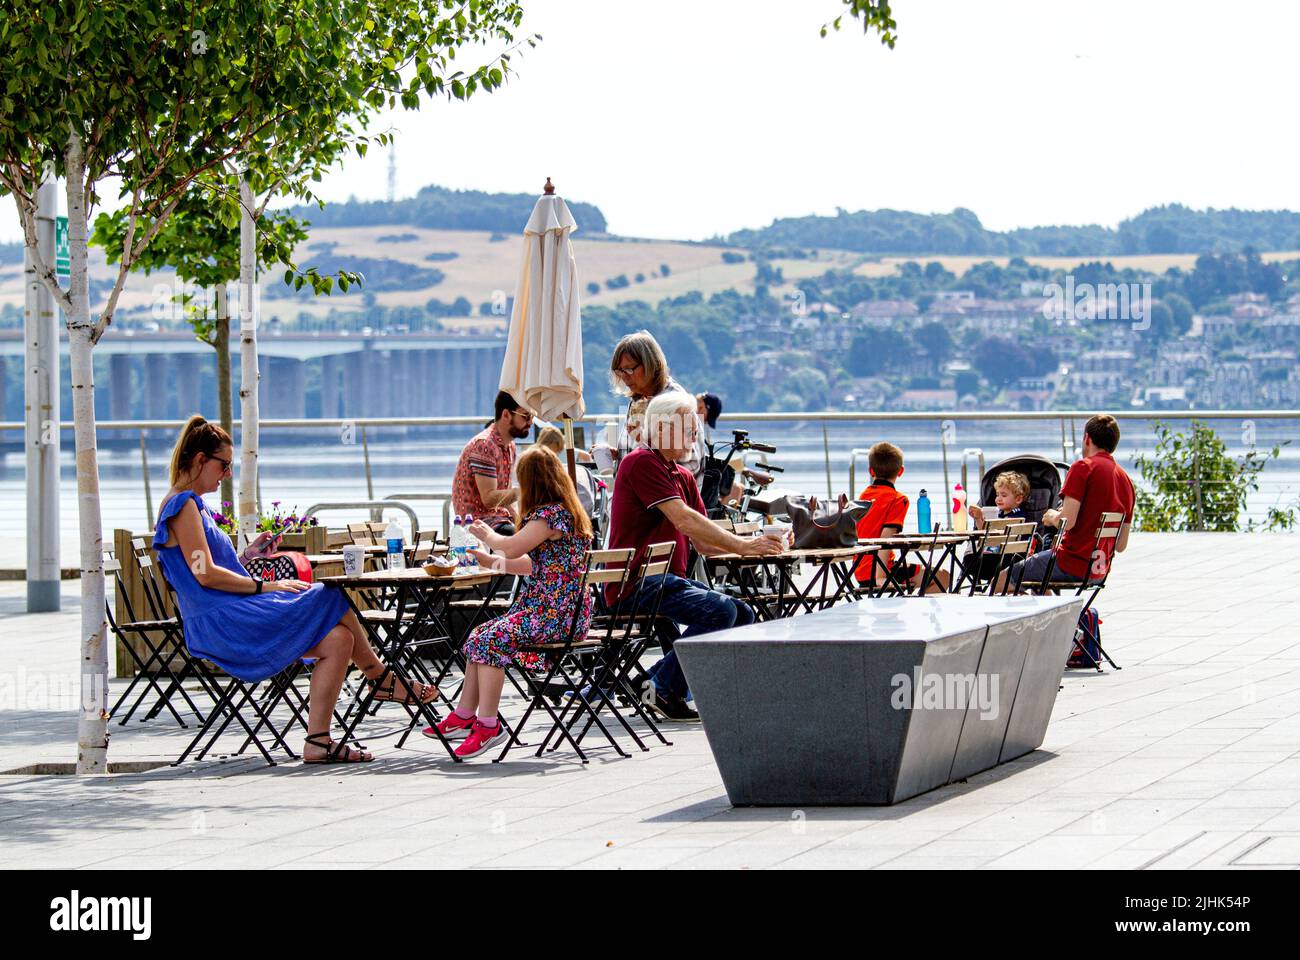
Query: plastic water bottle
(456,539)
(396,558)
(471,541)
(923,513)
(959,516)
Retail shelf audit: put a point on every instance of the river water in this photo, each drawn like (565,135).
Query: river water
(310,467)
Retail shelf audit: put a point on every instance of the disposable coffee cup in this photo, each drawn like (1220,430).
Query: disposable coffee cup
(354,560)
(781,530)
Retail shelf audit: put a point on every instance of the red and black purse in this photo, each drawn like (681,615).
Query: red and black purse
(280,566)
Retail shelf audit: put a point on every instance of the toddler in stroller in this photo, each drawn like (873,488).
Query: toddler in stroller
(1022,487)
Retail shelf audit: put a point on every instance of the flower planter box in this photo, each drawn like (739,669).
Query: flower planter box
(310,541)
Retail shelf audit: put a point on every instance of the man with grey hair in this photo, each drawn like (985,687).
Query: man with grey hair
(656,500)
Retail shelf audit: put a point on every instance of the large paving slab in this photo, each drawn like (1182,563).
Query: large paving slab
(1188,757)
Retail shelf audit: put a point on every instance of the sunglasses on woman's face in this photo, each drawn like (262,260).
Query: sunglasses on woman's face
(627,372)
(225,464)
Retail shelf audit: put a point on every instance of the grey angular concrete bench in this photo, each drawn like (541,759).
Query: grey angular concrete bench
(880,700)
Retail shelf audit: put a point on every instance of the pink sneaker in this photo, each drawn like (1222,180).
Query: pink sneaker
(480,739)
(452,728)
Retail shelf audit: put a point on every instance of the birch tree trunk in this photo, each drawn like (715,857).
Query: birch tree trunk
(225,406)
(249,376)
(92,723)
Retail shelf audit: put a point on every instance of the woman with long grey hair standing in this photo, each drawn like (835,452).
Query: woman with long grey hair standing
(639,370)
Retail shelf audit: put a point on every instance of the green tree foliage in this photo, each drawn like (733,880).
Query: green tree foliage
(873,15)
(1191,482)
(1157,230)
(811,387)
(870,352)
(1178,229)
(1162,321)
(437,208)
(1220,275)
(161,94)
(935,340)
(1181,311)
(1003,360)
(768,275)
(966,383)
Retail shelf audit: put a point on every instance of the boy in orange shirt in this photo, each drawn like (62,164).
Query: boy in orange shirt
(885,519)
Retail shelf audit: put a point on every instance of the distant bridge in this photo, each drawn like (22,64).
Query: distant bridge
(170,374)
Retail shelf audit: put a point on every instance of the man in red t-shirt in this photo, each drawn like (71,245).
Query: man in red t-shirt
(1095,485)
(656,500)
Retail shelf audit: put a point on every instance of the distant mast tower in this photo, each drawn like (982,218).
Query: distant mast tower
(392,170)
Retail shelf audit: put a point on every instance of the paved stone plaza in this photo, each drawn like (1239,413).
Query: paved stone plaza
(1188,757)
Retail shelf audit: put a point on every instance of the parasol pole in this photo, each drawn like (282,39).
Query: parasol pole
(568,450)
(549,191)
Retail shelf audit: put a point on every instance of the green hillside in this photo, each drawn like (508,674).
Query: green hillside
(437,208)
(1168,230)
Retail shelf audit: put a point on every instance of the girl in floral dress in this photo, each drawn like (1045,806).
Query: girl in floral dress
(550,550)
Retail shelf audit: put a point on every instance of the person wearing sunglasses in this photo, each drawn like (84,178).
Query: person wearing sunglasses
(639,371)
(481,487)
(252,628)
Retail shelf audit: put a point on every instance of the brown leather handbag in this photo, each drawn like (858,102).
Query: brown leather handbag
(840,529)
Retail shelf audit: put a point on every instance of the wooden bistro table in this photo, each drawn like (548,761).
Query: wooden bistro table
(932,551)
(404,611)
(831,581)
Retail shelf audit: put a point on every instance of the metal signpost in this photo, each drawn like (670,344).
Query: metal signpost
(41,396)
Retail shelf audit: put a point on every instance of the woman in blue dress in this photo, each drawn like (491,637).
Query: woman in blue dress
(252,628)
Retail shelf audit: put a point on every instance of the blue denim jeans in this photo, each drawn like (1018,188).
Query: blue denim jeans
(1034,567)
(699,610)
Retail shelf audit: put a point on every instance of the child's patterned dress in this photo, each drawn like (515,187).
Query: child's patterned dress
(544,609)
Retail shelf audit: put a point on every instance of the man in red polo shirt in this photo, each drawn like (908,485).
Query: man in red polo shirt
(481,486)
(656,500)
(1095,485)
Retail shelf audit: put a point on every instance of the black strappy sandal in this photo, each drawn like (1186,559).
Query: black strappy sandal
(335,752)
(415,692)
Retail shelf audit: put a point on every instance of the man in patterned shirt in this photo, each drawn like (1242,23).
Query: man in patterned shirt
(482,483)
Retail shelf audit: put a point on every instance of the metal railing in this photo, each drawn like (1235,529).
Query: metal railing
(1063,424)
(376,508)
(444,497)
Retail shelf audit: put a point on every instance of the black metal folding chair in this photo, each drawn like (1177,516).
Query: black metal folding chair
(154,670)
(569,667)
(1109,526)
(251,706)
(1013,541)
(626,632)
(972,565)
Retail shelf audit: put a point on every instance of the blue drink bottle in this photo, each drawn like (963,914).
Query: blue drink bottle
(923,513)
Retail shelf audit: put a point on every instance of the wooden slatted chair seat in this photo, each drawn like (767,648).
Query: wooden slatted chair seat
(587,644)
(386,616)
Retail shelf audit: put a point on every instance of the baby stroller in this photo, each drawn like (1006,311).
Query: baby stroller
(1045,478)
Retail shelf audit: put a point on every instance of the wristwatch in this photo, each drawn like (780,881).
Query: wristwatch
(258,581)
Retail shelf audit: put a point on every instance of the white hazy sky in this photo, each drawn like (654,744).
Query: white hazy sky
(687,118)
